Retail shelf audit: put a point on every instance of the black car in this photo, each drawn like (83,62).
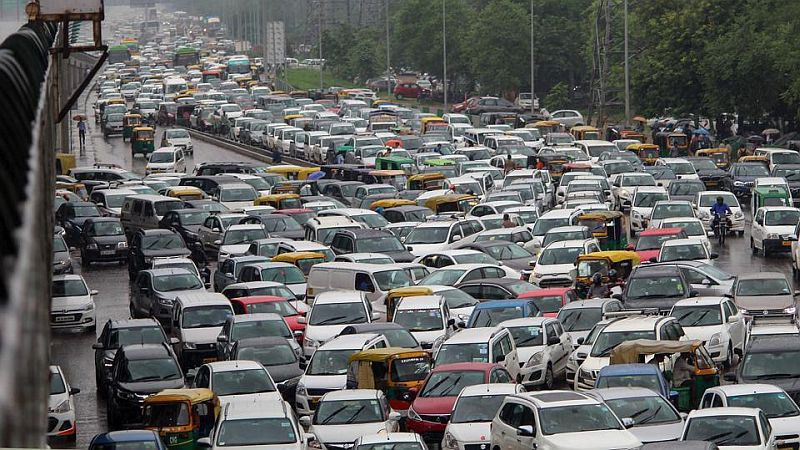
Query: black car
(656,287)
(184,222)
(488,289)
(277,356)
(396,335)
(118,333)
(138,371)
(370,241)
(771,360)
(707,170)
(342,191)
(742,176)
(209,183)
(281,225)
(62,262)
(148,244)
(103,239)
(509,253)
(685,189)
(72,215)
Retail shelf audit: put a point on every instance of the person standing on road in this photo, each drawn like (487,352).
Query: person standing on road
(507,223)
(509,165)
(82,132)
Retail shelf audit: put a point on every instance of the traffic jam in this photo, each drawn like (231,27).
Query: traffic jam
(350,271)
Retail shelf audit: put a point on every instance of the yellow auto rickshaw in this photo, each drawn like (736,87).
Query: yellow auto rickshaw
(679,140)
(181,416)
(647,153)
(607,228)
(621,261)
(426,181)
(64,162)
(129,122)
(288,119)
(451,203)
(584,132)
(302,260)
(392,370)
(75,187)
(429,122)
(396,294)
(293,172)
(720,156)
(705,373)
(143,141)
(391,203)
(280,201)
(185,192)
(545,126)
(755,158)
(633,134)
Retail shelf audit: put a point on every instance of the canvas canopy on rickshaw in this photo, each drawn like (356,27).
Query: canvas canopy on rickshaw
(545,126)
(181,416)
(392,370)
(393,163)
(396,294)
(391,203)
(279,201)
(293,172)
(647,153)
(302,260)
(633,134)
(129,122)
(720,156)
(142,140)
(584,132)
(607,227)
(426,181)
(451,203)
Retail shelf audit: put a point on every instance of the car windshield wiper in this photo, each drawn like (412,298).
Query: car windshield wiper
(148,378)
(699,318)
(438,383)
(732,438)
(649,296)
(355,414)
(453,385)
(569,325)
(638,413)
(330,320)
(717,436)
(332,415)
(775,375)
(651,416)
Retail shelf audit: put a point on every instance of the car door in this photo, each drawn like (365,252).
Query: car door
(558,354)
(758,230)
(737,327)
(224,275)
(510,360)
(147,294)
(699,282)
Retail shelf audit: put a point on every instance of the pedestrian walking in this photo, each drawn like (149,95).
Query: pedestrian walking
(82,132)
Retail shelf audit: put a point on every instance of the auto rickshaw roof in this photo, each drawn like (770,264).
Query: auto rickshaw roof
(612,255)
(545,123)
(143,129)
(439,199)
(391,203)
(387,172)
(427,176)
(641,146)
(710,151)
(292,257)
(410,291)
(628,352)
(278,197)
(132,116)
(385,354)
(195,395)
(601,215)
(584,128)
(431,119)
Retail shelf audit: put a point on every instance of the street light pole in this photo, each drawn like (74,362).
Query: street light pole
(388,73)
(320,46)
(444,51)
(533,91)
(627,71)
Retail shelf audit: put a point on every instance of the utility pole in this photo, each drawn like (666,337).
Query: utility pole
(388,73)
(627,72)
(320,45)
(444,51)
(533,90)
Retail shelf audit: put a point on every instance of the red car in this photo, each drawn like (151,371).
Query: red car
(649,243)
(272,304)
(549,301)
(431,409)
(410,90)
(461,107)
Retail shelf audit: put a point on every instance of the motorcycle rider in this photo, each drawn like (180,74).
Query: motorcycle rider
(598,289)
(719,209)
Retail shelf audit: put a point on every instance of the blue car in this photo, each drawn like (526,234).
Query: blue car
(635,375)
(128,439)
(489,314)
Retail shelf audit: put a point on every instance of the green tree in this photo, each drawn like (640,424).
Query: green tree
(557,97)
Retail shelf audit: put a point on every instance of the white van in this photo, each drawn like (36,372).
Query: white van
(166,159)
(197,320)
(374,279)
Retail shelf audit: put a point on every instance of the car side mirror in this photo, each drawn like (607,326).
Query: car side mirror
(73,391)
(216,230)
(297,333)
(218,242)
(532,264)
(654,259)
(305,421)
(456,237)
(553,340)
(580,340)
(395,416)
(409,395)
(97,346)
(627,422)
(796,293)
(451,322)
(729,376)
(222,338)
(616,296)
(375,316)
(714,255)
(694,293)
(301,320)
(228,275)
(525,430)
(93,292)
(174,341)
(408,247)
(204,442)
(191,374)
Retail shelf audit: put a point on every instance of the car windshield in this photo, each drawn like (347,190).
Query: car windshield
(606,341)
(274,355)
(419,319)
(276,291)
(449,384)
(683,252)
(259,328)
(551,237)
(548,304)
(282,308)
(649,381)
(765,287)
(162,157)
(682,168)
(654,287)
(237,195)
(407,369)
(771,365)
(543,225)
(283,274)
(176,282)
(751,170)
(329,362)
(235,237)
(380,244)
(697,316)
(177,134)
(650,410)
(206,316)
(445,277)
(706,201)
(652,242)
(135,335)
(459,353)
(167,206)
(69,288)
(114,201)
(648,199)
(704,164)
(241,381)
(509,251)
(577,418)
(579,319)
(106,229)
(666,211)
(723,430)
(338,313)
(86,211)
(371,220)
(562,255)
(774,404)
(690,227)
(786,158)
(256,431)
(162,242)
(527,336)
(342,412)
(59,245)
(278,224)
(157,369)
(476,408)
(782,217)
(56,384)
(638,180)
(686,188)
(166,414)
(489,317)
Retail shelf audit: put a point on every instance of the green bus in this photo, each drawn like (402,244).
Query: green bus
(186,56)
(119,54)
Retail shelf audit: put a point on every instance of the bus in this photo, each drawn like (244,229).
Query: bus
(119,54)
(174,86)
(213,25)
(239,64)
(210,75)
(132,44)
(186,56)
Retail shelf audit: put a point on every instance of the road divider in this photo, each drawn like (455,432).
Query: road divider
(250,151)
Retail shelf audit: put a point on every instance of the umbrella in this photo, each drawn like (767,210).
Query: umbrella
(771,131)
(639,119)
(702,131)
(755,139)
(316,176)
(79,117)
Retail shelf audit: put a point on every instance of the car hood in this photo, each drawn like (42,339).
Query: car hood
(267,397)
(474,432)
(785,425)
(703,333)
(525,353)
(645,255)
(781,230)
(591,440)
(237,205)
(158,253)
(79,221)
(746,178)
(520,264)
(292,234)
(237,249)
(164,165)
(658,433)
(400,256)
(60,256)
(55,399)
(70,303)
(203,335)
(323,332)
(711,173)
(284,372)
(107,240)
(554,269)
(434,405)
(346,433)
(790,385)
(151,387)
(324,381)
(427,337)
(423,249)
(687,198)
(764,302)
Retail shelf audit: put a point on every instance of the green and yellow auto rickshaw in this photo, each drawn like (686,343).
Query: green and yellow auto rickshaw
(129,122)
(394,371)
(393,163)
(181,416)
(622,261)
(143,141)
(720,156)
(769,196)
(607,227)
(451,203)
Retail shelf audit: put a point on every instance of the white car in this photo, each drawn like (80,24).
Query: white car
(580,352)
(779,407)
(178,137)
(60,407)
(556,265)
(444,258)
(330,313)
(344,416)
(693,227)
(625,184)
(655,418)
(72,304)
(427,317)
(410,441)
(256,426)
(730,428)
(459,273)
(553,219)
(772,230)
(705,200)
(670,209)
(683,169)
(559,420)
(236,195)
(238,382)
(687,249)
(485,344)
(474,409)
(717,322)
(644,199)
(544,346)
(237,239)
(567,117)
(165,159)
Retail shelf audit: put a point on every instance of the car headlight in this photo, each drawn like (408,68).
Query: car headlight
(715,340)
(535,360)
(91,246)
(773,236)
(88,307)
(122,244)
(308,342)
(636,215)
(301,389)
(62,407)
(224,255)
(413,415)
(126,395)
(165,301)
(790,310)
(189,345)
(738,215)
(450,440)
(739,184)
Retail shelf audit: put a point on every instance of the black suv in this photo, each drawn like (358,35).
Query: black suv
(771,360)
(656,287)
(72,216)
(138,371)
(370,241)
(103,239)
(185,222)
(148,244)
(117,333)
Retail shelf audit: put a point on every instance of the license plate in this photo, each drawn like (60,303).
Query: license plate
(65,318)
(787,243)
(106,252)
(208,360)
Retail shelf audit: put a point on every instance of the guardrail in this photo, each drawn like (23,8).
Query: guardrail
(251,151)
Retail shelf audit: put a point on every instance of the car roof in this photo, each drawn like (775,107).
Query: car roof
(567,244)
(660,231)
(683,241)
(723,411)
(622,392)
(351,394)
(761,276)
(348,341)
(112,437)
(420,302)
(733,390)
(465,366)
(132,323)
(477,390)
(635,323)
(230,366)
(525,322)
(588,303)
(145,351)
(470,335)
(339,296)
(253,317)
(630,369)
(700,301)
(190,299)
(774,343)
(555,399)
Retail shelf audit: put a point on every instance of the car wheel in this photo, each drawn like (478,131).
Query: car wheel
(132,310)
(548,378)
(753,247)
(729,358)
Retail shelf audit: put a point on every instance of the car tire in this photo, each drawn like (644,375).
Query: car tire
(548,378)
(729,358)
(132,310)
(111,416)
(753,247)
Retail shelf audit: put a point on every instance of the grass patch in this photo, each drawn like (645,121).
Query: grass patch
(305,79)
